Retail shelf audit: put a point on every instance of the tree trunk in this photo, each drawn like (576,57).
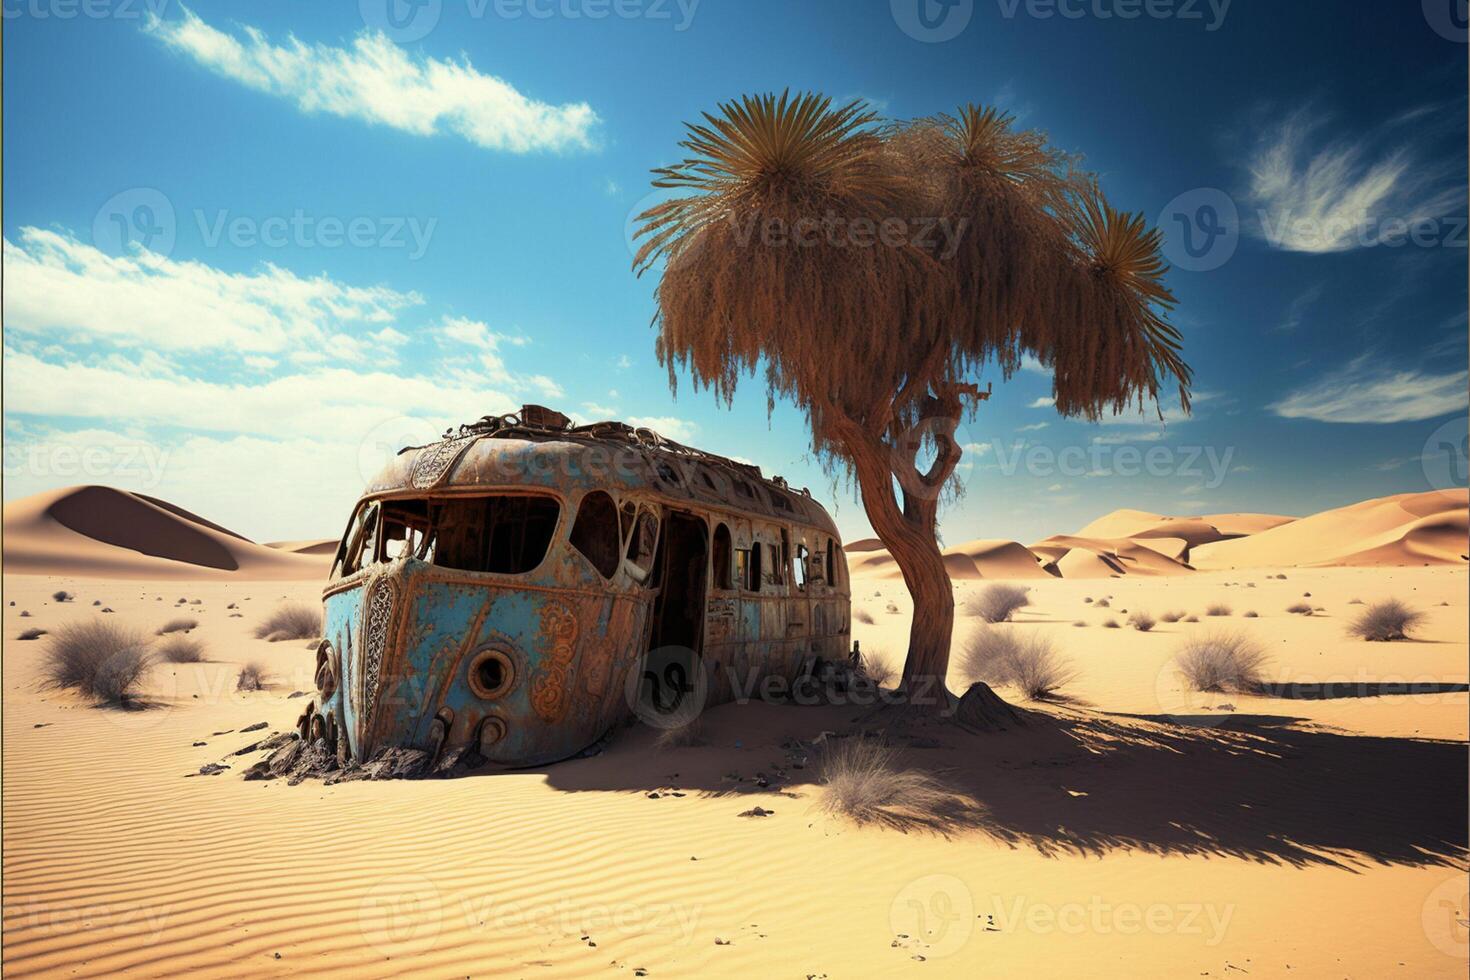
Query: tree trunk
(909,536)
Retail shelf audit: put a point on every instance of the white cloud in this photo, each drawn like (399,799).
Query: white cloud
(1046,402)
(977,448)
(475,333)
(1361,393)
(334,401)
(1033,427)
(380,82)
(599,412)
(624,362)
(1315,195)
(56,285)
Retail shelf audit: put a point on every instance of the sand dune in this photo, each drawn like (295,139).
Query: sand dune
(100,531)
(326,547)
(1405,529)
(974,559)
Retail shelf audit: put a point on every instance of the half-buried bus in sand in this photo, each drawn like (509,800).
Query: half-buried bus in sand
(516,590)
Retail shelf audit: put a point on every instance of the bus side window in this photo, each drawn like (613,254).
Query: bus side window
(595,533)
(753,567)
(777,567)
(799,568)
(831,548)
(721,556)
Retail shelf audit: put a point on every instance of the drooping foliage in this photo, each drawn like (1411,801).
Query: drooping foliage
(997,246)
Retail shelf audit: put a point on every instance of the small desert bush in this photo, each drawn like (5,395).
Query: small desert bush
(1386,620)
(861,781)
(997,603)
(1172,616)
(1028,661)
(62,596)
(293,621)
(31,634)
(1141,621)
(680,736)
(1299,608)
(1110,624)
(252,677)
(181,650)
(179,624)
(1080,622)
(1102,604)
(876,670)
(1251,614)
(101,660)
(1191,619)
(1222,661)
(1217,609)
(864,617)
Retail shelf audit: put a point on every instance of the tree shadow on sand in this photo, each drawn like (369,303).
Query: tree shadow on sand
(1258,787)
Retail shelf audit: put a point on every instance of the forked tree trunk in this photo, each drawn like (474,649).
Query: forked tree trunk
(909,535)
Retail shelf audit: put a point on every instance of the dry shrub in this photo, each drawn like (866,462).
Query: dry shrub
(1102,604)
(181,650)
(1028,661)
(1172,616)
(180,624)
(61,596)
(1300,608)
(1080,622)
(1110,624)
(876,670)
(1141,621)
(31,634)
(1386,620)
(1223,661)
(100,659)
(1251,614)
(861,781)
(252,677)
(689,734)
(864,617)
(997,603)
(291,621)
(1217,609)
(1191,619)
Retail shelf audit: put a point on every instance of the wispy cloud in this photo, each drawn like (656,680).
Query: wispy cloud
(380,82)
(1317,194)
(1297,311)
(57,286)
(1362,393)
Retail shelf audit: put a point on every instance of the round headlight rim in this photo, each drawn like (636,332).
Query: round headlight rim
(496,654)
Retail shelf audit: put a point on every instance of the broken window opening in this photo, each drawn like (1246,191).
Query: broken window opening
(596,532)
(799,567)
(502,534)
(721,555)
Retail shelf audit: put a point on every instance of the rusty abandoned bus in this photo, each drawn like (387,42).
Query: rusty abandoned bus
(524,585)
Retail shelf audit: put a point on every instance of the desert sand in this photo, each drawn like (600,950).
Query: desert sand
(1134,828)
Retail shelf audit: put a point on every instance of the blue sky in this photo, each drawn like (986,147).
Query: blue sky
(249,246)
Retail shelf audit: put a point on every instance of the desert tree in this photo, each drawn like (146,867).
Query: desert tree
(874,271)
